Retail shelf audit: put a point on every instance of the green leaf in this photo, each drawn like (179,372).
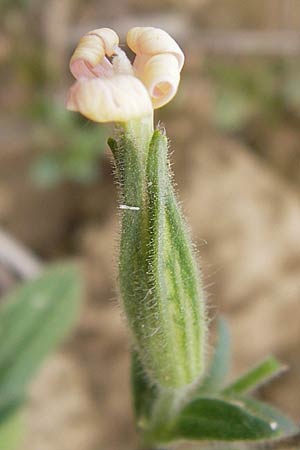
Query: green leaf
(11,431)
(34,319)
(220,365)
(261,374)
(214,419)
(144,392)
(269,413)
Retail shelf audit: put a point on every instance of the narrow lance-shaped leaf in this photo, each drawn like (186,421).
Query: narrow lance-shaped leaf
(270,413)
(218,420)
(33,320)
(11,431)
(220,364)
(261,374)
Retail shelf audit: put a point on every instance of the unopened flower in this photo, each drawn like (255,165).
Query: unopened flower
(109,88)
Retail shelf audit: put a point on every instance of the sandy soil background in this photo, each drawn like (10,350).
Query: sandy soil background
(240,190)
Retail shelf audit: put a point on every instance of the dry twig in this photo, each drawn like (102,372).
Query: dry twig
(17,258)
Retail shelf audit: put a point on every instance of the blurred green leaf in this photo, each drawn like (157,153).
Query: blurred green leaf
(34,319)
(261,374)
(246,91)
(46,171)
(291,86)
(11,431)
(269,413)
(9,4)
(214,419)
(233,109)
(70,146)
(220,364)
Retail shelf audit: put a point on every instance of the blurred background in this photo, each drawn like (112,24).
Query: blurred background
(234,128)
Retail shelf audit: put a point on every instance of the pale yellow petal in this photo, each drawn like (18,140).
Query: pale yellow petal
(153,41)
(91,50)
(161,77)
(116,99)
(109,38)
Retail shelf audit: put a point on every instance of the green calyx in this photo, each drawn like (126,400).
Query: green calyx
(159,281)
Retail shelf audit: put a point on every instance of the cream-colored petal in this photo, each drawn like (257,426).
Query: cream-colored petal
(91,51)
(153,41)
(161,77)
(109,38)
(116,99)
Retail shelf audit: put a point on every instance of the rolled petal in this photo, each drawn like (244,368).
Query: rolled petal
(161,77)
(153,41)
(90,52)
(116,99)
(158,62)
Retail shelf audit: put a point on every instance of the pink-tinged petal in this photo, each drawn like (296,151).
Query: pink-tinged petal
(116,99)
(81,69)
(104,69)
(153,41)
(90,52)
